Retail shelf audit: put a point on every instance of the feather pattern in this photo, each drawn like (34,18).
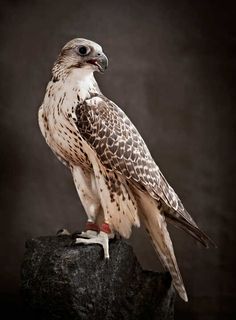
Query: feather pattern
(120,148)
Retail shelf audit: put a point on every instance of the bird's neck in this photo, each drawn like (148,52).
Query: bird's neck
(82,82)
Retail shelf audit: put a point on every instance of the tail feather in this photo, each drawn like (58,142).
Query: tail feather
(157,229)
(191,229)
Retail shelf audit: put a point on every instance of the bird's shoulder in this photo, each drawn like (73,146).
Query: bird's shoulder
(99,113)
(99,106)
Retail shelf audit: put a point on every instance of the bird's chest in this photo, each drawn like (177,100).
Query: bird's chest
(58,128)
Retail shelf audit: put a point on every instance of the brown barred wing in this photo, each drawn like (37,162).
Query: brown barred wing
(120,147)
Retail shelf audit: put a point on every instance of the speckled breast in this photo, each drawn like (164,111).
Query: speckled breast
(62,136)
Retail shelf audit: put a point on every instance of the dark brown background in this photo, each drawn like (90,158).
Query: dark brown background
(172,65)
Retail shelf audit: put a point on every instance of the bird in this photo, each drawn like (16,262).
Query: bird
(117,180)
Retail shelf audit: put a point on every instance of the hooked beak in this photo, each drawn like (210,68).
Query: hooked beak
(100,61)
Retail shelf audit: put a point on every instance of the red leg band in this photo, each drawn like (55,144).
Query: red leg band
(105,228)
(91,226)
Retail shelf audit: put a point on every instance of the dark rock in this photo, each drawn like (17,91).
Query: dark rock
(61,281)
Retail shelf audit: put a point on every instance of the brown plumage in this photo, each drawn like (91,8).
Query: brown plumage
(115,175)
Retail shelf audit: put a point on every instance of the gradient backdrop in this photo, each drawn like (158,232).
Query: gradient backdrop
(172,65)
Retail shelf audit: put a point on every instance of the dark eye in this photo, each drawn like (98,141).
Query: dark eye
(83,51)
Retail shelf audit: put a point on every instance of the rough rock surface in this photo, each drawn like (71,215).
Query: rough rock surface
(62,281)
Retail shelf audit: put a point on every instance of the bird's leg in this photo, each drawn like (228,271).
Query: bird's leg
(102,238)
(86,188)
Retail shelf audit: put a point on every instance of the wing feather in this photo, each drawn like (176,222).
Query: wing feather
(120,148)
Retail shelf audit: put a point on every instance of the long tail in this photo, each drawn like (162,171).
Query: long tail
(157,229)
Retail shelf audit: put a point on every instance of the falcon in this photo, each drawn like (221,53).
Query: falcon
(116,178)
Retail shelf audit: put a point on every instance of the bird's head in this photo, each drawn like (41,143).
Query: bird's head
(81,54)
